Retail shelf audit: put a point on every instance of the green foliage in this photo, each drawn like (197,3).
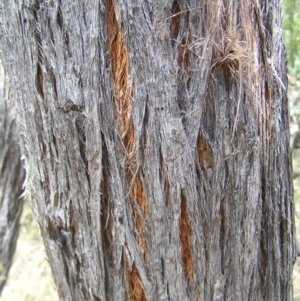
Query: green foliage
(291,25)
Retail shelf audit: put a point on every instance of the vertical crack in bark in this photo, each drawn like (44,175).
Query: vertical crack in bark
(136,291)
(123,89)
(186,241)
(107,222)
(53,81)
(39,71)
(59,17)
(164,178)
(44,169)
(40,81)
(175,20)
(223,231)
(205,155)
(184,57)
(106,217)
(140,197)
(184,77)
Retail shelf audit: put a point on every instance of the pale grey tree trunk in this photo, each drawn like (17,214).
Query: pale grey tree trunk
(157,145)
(12,175)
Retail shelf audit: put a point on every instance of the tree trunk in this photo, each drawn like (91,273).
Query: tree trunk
(12,175)
(157,142)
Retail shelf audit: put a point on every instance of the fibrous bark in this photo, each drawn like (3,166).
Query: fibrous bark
(12,176)
(157,145)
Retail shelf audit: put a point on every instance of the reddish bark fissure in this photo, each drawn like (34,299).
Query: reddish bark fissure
(124,99)
(135,286)
(186,241)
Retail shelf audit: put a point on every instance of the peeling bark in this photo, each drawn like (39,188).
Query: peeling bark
(11,182)
(157,145)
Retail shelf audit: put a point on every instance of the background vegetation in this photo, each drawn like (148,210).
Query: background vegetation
(30,276)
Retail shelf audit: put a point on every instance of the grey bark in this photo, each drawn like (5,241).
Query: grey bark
(157,145)
(12,176)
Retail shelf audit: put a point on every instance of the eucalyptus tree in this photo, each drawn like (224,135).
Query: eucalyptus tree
(156,137)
